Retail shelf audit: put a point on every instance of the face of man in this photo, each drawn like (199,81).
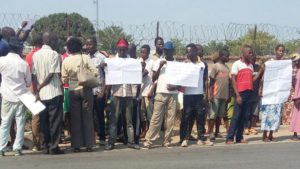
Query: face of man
(90,46)
(144,53)
(159,45)
(224,58)
(247,54)
(122,52)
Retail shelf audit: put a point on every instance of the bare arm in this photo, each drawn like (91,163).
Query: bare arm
(237,94)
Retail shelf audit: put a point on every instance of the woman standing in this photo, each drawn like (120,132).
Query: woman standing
(271,113)
(81,98)
(295,117)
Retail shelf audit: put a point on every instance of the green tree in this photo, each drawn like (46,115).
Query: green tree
(178,46)
(263,45)
(292,46)
(213,47)
(64,25)
(108,38)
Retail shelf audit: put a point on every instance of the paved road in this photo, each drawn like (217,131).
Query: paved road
(279,155)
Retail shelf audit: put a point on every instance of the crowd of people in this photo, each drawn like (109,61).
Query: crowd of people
(132,112)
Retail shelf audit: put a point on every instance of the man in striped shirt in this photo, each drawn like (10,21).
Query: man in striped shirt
(46,70)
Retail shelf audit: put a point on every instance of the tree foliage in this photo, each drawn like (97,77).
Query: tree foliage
(179,46)
(64,25)
(108,38)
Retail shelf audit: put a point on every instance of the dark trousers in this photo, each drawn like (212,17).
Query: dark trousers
(136,120)
(82,126)
(99,105)
(239,117)
(192,107)
(51,123)
(118,104)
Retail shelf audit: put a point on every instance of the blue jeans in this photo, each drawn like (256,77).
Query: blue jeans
(239,117)
(9,112)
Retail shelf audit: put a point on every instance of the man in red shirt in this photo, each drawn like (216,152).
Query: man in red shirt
(37,43)
(242,82)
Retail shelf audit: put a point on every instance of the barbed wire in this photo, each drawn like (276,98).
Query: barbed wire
(185,33)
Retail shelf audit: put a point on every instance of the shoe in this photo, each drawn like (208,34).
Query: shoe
(229,142)
(205,143)
(89,149)
(147,146)
(76,150)
(102,143)
(253,131)
(134,146)
(167,145)
(18,153)
(184,143)
(24,147)
(247,132)
(2,153)
(36,148)
(110,147)
(212,137)
(57,152)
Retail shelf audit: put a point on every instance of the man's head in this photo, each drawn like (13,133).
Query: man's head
(159,44)
(247,53)
(74,45)
(132,50)
(50,39)
(37,41)
(122,48)
(91,45)
(15,45)
(169,50)
(8,32)
(199,50)
(192,52)
(224,55)
(145,51)
(279,51)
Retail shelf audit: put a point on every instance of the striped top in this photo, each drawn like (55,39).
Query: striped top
(44,62)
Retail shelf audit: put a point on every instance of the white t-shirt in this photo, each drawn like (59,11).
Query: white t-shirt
(162,79)
(147,80)
(197,90)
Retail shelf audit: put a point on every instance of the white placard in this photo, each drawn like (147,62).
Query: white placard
(183,74)
(123,71)
(277,81)
(29,100)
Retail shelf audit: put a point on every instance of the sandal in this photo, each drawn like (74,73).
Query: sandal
(242,141)
(266,140)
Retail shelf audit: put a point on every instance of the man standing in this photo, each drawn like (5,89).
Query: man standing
(38,43)
(165,101)
(159,48)
(46,70)
(242,83)
(98,92)
(122,99)
(16,78)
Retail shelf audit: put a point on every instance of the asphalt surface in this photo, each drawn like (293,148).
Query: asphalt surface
(278,155)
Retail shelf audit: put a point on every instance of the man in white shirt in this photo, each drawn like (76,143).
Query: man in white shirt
(98,92)
(165,101)
(16,78)
(147,90)
(46,70)
(193,104)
